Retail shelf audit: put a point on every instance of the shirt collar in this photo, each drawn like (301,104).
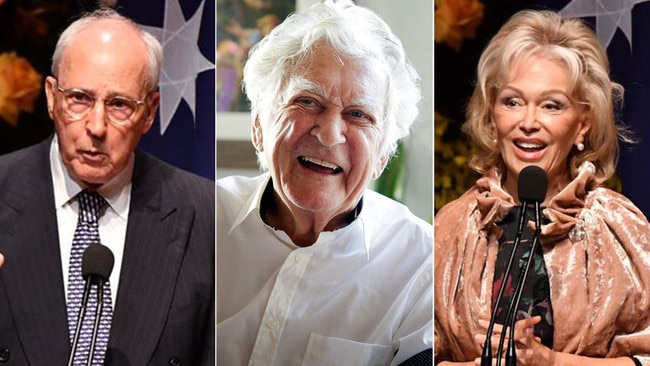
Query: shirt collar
(254,202)
(363,221)
(117,191)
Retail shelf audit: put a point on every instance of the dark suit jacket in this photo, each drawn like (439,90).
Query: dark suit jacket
(164,310)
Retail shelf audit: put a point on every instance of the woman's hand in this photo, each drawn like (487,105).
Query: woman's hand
(530,351)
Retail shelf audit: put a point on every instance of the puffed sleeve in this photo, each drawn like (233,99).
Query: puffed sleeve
(599,276)
(465,249)
(626,230)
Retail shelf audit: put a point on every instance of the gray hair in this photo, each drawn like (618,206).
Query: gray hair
(154,48)
(354,32)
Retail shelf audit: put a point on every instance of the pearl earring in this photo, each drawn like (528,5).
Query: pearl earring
(580,146)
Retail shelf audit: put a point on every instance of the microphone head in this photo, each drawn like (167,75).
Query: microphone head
(97,260)
(532,184)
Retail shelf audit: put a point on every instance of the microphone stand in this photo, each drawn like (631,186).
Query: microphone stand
(80,320)
(98,314)
(96,264)
(486,356)
(511,354)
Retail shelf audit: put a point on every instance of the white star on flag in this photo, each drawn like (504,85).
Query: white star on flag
(182,60)
(610,14)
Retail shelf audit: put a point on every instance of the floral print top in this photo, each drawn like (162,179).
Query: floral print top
(536,297)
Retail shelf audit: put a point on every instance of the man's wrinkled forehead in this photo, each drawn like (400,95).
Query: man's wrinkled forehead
(298,84)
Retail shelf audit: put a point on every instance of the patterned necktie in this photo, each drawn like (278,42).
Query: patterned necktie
(91,206)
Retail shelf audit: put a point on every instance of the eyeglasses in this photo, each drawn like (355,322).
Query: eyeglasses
(120,111)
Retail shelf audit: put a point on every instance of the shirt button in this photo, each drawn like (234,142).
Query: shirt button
(5,354)
(299,258)
(272,323)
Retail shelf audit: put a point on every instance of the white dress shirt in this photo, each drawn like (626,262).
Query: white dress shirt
(112,224)
(360,295)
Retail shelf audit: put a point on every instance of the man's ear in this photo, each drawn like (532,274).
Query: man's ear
(49,95)
(153,108)
(256,134)
(379,168)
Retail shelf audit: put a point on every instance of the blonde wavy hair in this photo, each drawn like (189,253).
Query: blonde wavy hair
(576,46)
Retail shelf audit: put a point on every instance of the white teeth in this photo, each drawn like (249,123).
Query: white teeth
(526,145)
(320,162)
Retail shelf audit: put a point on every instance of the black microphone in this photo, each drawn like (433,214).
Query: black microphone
(527,178)
(96,266)
(486,356)
(533,182)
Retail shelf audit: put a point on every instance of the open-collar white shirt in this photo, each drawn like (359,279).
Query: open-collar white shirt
(360,295)
(112,224)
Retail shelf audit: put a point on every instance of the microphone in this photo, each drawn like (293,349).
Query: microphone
(528,189)
(96,266)
(533,182)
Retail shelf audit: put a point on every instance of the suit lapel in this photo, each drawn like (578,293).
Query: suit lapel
(156,240)
(32,275)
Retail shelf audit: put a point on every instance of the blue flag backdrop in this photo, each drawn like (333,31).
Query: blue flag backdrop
(183,133)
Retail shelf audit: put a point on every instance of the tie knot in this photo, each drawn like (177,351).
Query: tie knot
(91,204)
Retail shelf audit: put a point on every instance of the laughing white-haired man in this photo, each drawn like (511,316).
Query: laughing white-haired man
(313,267)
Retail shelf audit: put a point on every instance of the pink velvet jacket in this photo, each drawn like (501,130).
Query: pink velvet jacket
(597,253)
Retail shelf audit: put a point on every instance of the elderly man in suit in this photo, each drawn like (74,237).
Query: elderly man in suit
(157,220)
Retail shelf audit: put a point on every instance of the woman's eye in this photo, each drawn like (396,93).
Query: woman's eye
(553,106)
(510,102)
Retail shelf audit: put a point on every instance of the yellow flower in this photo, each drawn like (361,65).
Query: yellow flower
(452,175)
(20,85)
(456,20)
